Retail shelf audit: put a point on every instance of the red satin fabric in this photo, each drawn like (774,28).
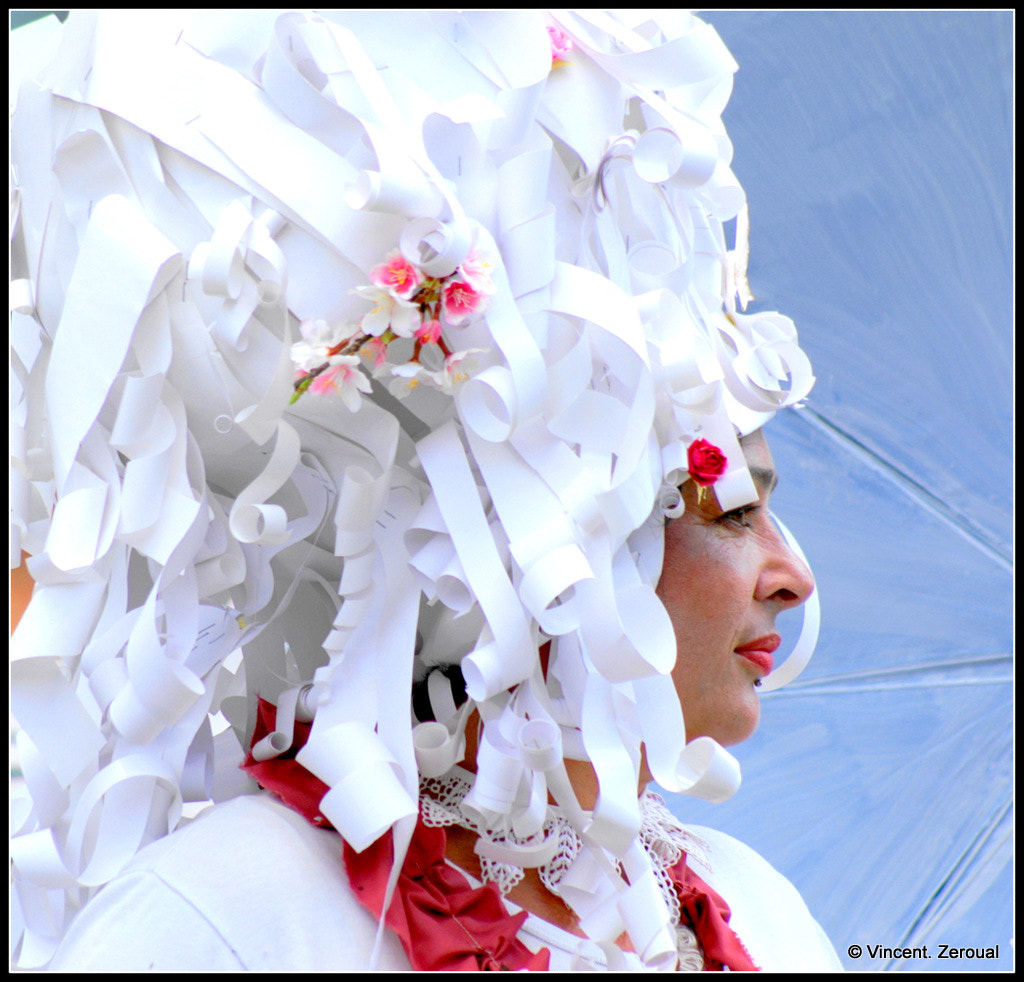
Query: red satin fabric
(443,922)
(284,775)
(708,914)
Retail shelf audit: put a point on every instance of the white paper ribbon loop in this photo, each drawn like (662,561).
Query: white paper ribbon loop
(252,520)
(436,247)
(154,700)
(647,921)
(377,191)
(685,156)
(294,704)
(241,265)
(437,750)
(767,352)
(593,895)
(547,589)
(22,297)
(484,672)
(670,501)
(713,772)
(113,815)
(295,83)
(359,503)
(800,656)
(366,793)
(37,859)
(488,404)
(524,855)
(540,744)
(499,774)
(702,768)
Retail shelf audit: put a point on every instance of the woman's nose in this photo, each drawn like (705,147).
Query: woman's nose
(785,578)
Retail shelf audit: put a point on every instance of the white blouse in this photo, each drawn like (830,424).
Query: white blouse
(250,885)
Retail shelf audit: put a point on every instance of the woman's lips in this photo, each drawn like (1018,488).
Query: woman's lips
(759,651)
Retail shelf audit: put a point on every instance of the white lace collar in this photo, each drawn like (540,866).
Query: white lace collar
(553,850)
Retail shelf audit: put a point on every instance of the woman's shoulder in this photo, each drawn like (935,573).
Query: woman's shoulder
(247,884)
(768,913)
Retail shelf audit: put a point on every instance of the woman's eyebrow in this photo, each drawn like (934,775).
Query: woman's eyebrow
(765,478)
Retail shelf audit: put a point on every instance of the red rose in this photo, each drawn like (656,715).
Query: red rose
(705,462)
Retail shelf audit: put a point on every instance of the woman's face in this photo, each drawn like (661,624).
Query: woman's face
(725,578)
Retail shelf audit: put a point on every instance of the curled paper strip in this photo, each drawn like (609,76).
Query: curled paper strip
(436,247)
(488,403)
(644,913)
(366,795)
(702,768)
(437,750)
(294,704)
(442,702)
(39,688)
(516,854)
(687,158)
(38,860)
(142,270)
(509,658)
(587,888)
(379,192)
(252,520)
(670,500)
(499,775)
(157,697)
(800,656)
(219,265)
(767,353)
(113,799)
(22,298)
(540,743)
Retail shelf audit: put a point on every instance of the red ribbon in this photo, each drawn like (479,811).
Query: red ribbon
(708,915)
(284,775)
(442,920)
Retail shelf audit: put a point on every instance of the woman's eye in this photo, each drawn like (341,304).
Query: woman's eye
(738,516)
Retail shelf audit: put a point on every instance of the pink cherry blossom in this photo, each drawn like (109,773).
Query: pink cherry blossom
(389,312)
(344,378)
(459,301)
(397,275)
(377,348)
(477,273)
(455,370)
(429,332)
(318,337)
(561,44)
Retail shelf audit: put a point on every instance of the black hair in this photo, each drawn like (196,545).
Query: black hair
(421,707)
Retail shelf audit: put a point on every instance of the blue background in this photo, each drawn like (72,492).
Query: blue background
(876,151)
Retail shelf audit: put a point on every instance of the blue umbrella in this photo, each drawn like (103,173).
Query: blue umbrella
(876,152)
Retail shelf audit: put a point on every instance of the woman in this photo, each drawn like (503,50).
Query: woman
(485,426)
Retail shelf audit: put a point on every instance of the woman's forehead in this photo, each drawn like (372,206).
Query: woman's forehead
(759,460)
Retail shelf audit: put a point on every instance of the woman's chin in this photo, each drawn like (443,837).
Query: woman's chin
(733,726)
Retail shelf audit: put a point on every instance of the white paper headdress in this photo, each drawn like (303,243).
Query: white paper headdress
(199,199)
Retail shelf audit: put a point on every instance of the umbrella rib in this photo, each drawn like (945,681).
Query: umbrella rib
(956,881)
(890,673)
(963,524)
